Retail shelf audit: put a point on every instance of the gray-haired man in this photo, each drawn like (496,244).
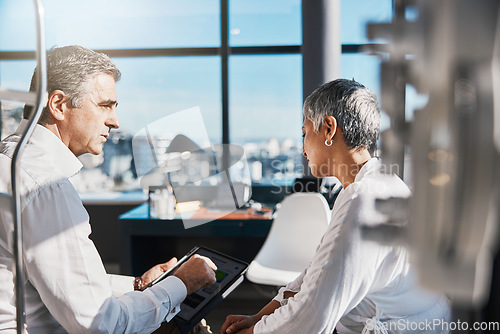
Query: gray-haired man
(67,288)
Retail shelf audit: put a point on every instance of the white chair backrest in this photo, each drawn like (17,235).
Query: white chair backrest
(296,231)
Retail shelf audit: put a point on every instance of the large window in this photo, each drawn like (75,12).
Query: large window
(113,24)
(355,63)
(239,61)
(269,130)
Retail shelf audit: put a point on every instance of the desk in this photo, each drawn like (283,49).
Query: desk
(145,242)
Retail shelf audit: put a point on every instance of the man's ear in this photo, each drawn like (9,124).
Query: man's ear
(57,104)
(330,126)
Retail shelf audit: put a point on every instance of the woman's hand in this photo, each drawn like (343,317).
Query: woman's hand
(236,323)
(153,273)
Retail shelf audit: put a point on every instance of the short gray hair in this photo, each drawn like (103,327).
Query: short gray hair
(69,68)
(354,107)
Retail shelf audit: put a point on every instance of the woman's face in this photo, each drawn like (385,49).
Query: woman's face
(315,150)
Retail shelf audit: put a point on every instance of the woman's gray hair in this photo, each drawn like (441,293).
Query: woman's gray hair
(69,69)
(354,107)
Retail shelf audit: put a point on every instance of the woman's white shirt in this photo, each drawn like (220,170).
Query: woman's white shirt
(355,284)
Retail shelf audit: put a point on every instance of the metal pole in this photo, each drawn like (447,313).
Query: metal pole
(224,53)
(321,47)
(15,177)
(224,50)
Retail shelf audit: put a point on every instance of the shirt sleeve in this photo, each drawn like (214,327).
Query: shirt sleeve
(120,284)
(64,266)
(339,276)
(293,286)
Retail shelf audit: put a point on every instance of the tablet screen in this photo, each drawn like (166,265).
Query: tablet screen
(229,271)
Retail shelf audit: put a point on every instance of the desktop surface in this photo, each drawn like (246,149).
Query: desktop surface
(146,241)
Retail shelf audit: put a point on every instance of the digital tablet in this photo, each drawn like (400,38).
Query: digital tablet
(229,275)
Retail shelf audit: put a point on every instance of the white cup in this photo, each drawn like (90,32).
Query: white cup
(162,204)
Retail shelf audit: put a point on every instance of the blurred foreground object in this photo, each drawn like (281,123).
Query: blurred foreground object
(451,53)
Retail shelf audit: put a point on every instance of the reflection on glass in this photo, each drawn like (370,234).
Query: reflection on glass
(160,145)
(113,24)
(149,89)
(356,14)
(265,105)
(215,177)
(263,22)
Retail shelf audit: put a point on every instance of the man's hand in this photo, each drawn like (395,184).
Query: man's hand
(197,272)
(153,273)
(236,323)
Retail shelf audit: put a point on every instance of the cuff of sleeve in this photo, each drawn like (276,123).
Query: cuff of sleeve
(173,289)
(280,296)
(120,284)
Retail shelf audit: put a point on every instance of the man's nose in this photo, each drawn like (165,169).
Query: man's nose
(113,122)
(304,152)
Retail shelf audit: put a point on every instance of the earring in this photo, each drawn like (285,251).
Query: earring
(329,142)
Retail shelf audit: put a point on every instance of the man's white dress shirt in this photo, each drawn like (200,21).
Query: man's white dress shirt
(353,284)
(67,288)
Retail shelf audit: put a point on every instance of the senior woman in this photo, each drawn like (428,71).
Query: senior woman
(352,284)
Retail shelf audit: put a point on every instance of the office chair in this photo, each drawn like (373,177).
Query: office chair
(297,229)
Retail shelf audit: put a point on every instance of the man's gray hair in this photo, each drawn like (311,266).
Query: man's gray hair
(69,68)
(354,107)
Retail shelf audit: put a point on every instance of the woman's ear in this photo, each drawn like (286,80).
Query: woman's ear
(330,126)
(56,104)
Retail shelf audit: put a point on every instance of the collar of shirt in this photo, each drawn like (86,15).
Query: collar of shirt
(371,166)
(46,140)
